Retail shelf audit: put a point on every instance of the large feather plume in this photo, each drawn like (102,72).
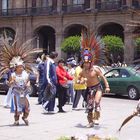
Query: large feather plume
(10,54)
(135,113)
(92,47)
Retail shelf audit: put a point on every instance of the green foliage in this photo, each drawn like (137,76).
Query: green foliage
(114,45)
(71,44)
(137,41)
(63,138)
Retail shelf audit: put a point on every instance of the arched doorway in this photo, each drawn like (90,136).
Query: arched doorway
(73,30)
(45,38)
(10,33)
(111,29)
(115,30)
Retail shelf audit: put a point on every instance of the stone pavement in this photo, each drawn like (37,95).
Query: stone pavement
(51,127)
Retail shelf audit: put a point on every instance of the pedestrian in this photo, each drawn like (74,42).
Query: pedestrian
(21,57)
(79,89)
(91,54)
(20,83)
(90,76)
(70,91)
(63,78)
(40,79)
(50,83)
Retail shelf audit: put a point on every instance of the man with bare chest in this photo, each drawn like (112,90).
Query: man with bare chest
(91,76)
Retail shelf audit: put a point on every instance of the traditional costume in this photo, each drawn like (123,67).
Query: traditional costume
(21,58)
(92,51)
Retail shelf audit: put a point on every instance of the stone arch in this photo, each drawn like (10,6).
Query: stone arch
(9,32)
(45,38)
(111,28)
(73,29)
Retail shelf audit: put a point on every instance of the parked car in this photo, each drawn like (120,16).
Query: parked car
(124,81)
(34,88)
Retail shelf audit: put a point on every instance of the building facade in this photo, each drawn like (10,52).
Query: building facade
(50,21)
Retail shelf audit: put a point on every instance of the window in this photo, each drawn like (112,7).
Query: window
(33,3)
(44,3)
(112,74)
(135,3)
(5,7)
(4,4)
(124,73)
(78,2)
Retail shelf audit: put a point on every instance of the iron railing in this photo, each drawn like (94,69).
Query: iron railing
(68,9)
(109,6)
(34,11)
(73,8)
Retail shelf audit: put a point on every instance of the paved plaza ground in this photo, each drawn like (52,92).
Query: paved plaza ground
(72,123)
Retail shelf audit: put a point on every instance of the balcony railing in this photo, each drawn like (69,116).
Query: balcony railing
(109,6)
(68,9)
(73,8)
(27,11)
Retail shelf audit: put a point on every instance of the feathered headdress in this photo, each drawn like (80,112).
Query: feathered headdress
(15,54)
(92,48)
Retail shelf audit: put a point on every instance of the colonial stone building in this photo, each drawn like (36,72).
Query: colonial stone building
(50,21)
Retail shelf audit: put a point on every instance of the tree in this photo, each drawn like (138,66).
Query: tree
(114,46)
(137,47)
(71,45)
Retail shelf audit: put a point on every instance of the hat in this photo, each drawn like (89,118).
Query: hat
(53,55)
(61,61)
(16,61)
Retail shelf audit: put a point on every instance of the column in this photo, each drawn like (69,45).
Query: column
(19,3)
(69,2)
(29,3)
(10,4)
(92,4)
(129,3)
(59,37)
(59,6)
(128,47)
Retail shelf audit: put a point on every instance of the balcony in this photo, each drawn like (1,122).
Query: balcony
(34,11)
(77,8)
(109,6)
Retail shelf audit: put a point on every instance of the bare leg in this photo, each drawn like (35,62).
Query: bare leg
(26,112)
(98,97)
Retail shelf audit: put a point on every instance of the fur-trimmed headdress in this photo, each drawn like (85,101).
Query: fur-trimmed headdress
(92,48)
(15,54)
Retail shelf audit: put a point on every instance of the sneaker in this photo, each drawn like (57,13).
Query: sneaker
(96,122)
(90,125)
(16,123)
(6,106)
(61,111)
(76,109)
(51,112)
(25,121)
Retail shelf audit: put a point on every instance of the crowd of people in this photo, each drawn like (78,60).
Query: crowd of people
(68,80)
(65,80)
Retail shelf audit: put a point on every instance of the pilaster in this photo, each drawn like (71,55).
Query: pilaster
(59,37)
(129,47)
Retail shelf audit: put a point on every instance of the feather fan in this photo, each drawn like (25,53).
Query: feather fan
(13,53)
(136,112)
